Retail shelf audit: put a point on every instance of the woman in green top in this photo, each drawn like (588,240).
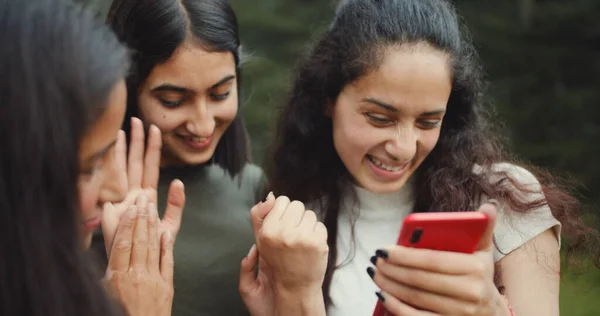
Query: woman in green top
(185,79)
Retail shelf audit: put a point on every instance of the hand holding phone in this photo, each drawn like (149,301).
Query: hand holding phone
(449,233)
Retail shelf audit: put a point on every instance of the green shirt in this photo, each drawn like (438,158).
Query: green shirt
(216,234)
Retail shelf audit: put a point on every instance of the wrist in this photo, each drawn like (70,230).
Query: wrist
(299,301)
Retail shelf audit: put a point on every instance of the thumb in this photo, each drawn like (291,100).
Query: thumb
(248,272)
(487,240)
(109,224)
(259,212)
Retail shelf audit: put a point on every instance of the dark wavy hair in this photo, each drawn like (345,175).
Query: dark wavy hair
(154,29)
(305,166)
(58,65)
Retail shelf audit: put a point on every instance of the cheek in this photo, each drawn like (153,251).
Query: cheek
(226,111)
(352,137)
(88,196)
(152,112)
(427,142)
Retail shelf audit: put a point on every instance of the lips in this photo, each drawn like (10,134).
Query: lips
(195,142)
(93,223)
(387,167)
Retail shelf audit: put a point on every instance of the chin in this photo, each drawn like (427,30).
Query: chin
(181,157)
(381,187)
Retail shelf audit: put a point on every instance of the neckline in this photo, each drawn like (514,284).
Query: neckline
(362,204)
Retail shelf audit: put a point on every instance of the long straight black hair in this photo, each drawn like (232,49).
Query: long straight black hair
(154,29)
(58,66)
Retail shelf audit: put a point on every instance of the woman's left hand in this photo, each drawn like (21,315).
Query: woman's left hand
(424,282)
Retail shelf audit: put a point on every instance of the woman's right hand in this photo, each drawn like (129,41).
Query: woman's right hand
(138,174)
(291,253)
(140,268)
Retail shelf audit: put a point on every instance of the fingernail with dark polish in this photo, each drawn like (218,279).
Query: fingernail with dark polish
(374,260)
(380,296)
(371,272)
(382,254)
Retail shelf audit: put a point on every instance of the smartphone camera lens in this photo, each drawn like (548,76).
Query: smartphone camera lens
(416,235)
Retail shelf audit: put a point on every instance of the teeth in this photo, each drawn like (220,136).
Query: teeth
(196,139)
(383,166)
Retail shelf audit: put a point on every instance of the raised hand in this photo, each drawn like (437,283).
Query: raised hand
(139,173)
(140,268)
(291,251)
(422,282)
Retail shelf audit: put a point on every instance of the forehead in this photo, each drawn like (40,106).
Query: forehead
(414,76)
(104,130)
(193,67)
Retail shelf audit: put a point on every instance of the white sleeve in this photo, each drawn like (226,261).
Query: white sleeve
(514,229)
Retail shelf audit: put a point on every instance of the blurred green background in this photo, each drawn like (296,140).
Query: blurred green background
(542,58)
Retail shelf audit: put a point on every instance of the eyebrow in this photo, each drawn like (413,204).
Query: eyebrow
(391,108)
(101,153)
(381,104)
(174,88)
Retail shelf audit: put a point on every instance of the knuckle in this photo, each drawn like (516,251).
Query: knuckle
(412,297)
(469,310)
(268,235)
(123,245)
(296,204)
(479,268)
(322,230)
(289,241)
(283,199)
(141,240)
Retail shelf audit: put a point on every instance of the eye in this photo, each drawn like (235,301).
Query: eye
(170,104)
(378,119)
(89,173)
(220,97)
(430,123)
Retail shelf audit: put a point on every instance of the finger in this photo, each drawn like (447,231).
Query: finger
(109,224)
(135,166)
(321,232)
(248,272)
(279,208)
(308,223)
(292,216)
(152,158)
(121,159)
(487,240)
(441,284)
(418,298)
(153,238)
(139,254)
(166,257)
(443,262)
(175,205)
(259,212)
(395,307)
(120,254)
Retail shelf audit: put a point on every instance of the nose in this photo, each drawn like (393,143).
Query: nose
(201,122)
(402,145)
(114,185)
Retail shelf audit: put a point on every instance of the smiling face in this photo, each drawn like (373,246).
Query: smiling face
(192,98)
(388,121)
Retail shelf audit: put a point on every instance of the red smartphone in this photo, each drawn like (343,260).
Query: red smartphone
(445,231)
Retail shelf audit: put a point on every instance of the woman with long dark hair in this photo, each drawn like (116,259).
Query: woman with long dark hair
(62,103)
(185,79)
(387,117)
